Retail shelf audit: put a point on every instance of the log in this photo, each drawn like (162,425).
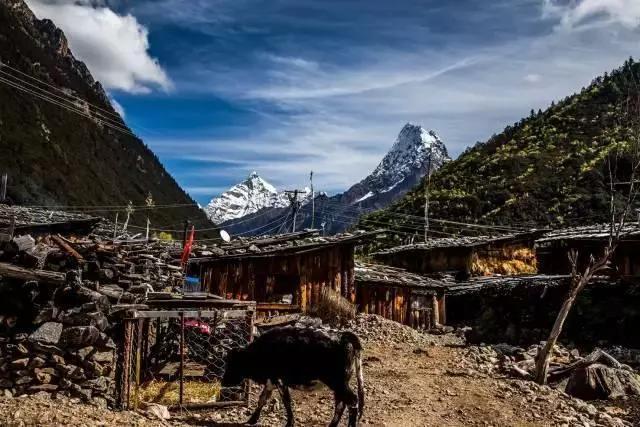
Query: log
(67,247)
(43,276)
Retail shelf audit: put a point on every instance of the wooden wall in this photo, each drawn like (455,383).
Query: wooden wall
(264,277)
(386,301)
(397,303)
(429,261)
(456,259)
(552,257)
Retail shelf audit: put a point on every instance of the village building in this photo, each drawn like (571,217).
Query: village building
(399,295)
(281,273)
(553,248)
(466,256)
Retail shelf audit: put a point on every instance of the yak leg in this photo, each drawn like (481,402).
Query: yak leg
(286,399)
(339,410)
(349,398)
(262,400)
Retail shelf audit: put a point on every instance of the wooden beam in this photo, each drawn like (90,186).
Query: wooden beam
(435,310)
(15,272)
(442,309)
(67,247)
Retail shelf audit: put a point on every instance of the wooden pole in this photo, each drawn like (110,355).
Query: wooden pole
(313,202)
(181,357)
(3,187)
(435,310)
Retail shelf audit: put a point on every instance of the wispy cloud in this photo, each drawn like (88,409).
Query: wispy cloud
(328,85)
(578,13)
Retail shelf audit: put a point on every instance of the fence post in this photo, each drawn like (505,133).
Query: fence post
(126,368)
(181,357)
(249,318)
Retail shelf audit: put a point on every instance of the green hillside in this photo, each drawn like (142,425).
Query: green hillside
(547,169)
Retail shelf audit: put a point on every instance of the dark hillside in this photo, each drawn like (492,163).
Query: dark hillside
(57,157)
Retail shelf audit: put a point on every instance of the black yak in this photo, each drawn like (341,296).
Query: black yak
(289,356)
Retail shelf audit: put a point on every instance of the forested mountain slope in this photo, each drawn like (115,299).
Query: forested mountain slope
(548,169)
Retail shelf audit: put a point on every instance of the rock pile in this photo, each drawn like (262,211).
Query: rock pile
(371,327)
(572,378)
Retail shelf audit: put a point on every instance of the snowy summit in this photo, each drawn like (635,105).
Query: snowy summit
(244,198)
(414,151)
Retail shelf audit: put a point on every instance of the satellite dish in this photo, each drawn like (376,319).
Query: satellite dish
(225,236)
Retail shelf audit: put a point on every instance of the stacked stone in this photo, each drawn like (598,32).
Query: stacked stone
(69,353)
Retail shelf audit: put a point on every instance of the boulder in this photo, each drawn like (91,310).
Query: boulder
(599,381)
(156,410)
(96,318)
(48,333)
(49,388)
(103,357)
(79,336)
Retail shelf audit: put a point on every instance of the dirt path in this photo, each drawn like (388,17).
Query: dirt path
(424,386)
(408,383)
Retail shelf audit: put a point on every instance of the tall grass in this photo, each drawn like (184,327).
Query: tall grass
(332,308)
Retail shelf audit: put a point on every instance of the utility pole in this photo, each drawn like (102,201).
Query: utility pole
(295,204)
(313,202)
(3,188)
(129,211)
(426,197)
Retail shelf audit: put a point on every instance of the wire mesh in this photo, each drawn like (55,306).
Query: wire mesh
(178,358)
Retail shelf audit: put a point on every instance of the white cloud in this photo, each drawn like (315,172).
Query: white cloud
(578,13)
(532,78)
(114,47)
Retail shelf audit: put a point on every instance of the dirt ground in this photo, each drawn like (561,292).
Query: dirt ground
(407,384)
(422,386)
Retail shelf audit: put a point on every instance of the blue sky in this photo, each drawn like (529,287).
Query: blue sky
(218,88)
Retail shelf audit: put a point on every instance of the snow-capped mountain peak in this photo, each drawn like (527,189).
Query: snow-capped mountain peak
(415,150)
(248,197)
(411,150)
(244,198)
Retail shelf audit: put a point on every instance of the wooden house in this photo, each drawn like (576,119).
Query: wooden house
(284,272)
(399,295)
(466,256)
(553,248)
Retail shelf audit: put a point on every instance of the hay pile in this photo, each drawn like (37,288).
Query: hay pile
(506,262)
(168,392)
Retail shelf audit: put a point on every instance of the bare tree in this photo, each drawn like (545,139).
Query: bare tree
(620,207)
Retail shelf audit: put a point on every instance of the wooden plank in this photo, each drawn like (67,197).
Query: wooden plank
(171,314)
(44,276)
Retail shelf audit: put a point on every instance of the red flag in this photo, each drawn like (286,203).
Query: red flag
(187,247)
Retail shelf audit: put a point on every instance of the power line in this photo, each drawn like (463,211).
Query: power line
(118,122)
(66,107)
(5,65)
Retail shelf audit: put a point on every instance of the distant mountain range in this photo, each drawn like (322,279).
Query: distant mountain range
(256,207)
(548,169)
(76,150)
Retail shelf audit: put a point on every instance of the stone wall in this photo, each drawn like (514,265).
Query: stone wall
(68,351)
(523,311)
